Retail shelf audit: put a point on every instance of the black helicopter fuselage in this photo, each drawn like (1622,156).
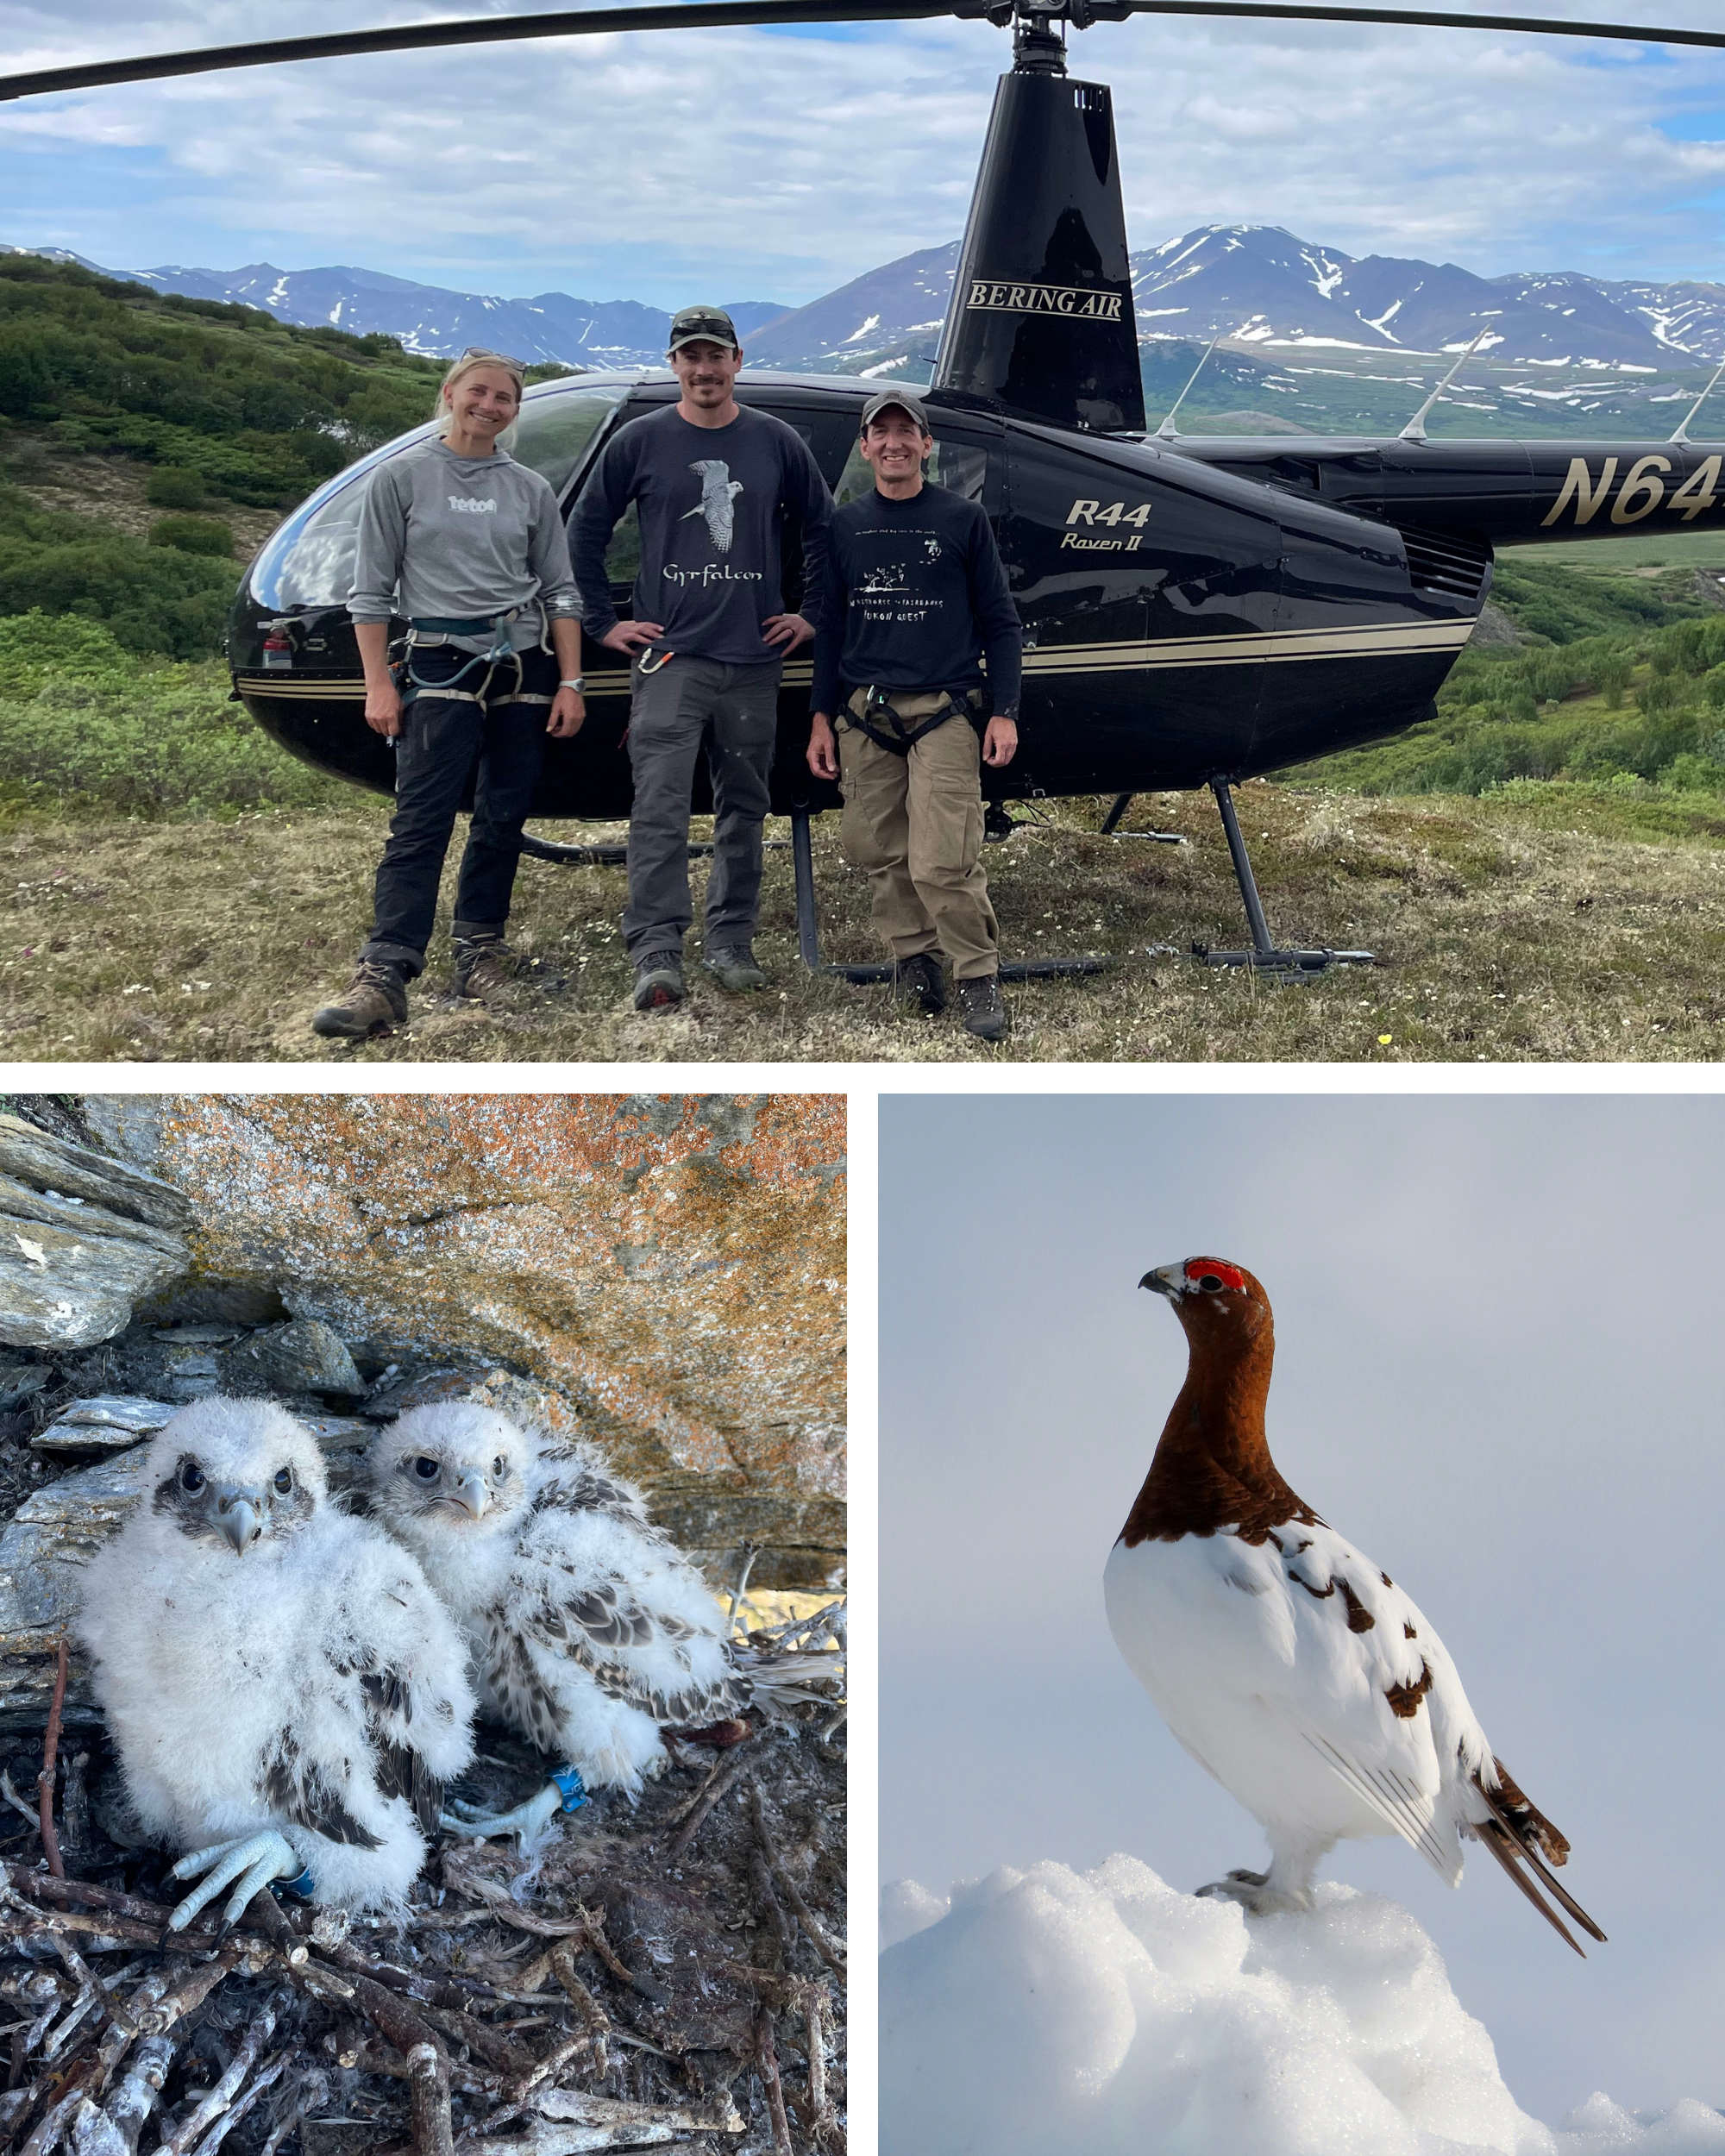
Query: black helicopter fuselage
(1193,608)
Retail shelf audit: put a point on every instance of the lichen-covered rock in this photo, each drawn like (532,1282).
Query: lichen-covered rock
(43,1551)
(82,1238)
(663,1272)
(303,1356)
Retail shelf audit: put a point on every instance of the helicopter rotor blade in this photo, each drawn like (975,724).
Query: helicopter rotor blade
(696,15)
(681,15)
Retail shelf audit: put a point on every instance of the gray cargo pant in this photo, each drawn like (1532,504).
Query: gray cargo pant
(735,710)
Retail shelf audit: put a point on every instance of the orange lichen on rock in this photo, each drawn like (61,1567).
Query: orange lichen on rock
(673,1265)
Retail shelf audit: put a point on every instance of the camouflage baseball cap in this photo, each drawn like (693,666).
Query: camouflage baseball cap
(703,325)
(890,400)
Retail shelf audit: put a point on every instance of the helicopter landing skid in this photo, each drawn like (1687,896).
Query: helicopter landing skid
(603,857)
(1263,956)
(808,930)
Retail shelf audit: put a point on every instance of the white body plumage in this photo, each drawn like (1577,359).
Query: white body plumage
(588,1629)
(1263,1663)
(310,1682)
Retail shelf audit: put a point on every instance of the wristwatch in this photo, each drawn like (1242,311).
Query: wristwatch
(577,683)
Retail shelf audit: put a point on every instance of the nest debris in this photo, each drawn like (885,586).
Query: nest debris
(669,1971)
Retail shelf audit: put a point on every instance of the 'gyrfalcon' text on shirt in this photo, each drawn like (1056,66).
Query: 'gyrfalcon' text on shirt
(712,502)
(915,595)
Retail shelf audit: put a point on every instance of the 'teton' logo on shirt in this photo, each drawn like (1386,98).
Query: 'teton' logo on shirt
(464,507)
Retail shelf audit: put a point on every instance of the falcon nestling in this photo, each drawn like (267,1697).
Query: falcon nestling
(589,1630)
(284,1691)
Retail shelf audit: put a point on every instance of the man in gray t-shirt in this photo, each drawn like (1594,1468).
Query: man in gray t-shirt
(714,485)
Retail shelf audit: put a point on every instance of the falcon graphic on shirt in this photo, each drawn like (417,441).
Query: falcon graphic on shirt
(718,492)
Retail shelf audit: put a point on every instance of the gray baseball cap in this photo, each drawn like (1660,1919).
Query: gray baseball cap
(889,399)
(703,325)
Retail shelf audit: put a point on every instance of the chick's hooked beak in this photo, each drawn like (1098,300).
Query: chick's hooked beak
(239,1515)
(471,1494)
(1166,1279)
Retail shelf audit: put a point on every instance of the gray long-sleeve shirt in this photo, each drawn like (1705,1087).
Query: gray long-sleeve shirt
(714,501)
(447,537)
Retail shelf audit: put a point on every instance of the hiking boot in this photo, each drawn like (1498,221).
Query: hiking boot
(659,981)
(921,977)
(376,1000)
(734,968)
(985,1013)
(485,969)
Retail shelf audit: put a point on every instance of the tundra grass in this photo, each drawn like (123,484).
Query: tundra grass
(1539,921)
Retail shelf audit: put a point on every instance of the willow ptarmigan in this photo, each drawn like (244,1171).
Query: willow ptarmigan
(1288,1665)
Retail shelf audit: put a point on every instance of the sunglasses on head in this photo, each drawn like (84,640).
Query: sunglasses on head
(484,352)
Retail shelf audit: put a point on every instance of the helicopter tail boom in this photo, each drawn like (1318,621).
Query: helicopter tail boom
(1489,492)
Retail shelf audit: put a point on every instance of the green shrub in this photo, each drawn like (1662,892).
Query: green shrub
(193,534)
(175,486)
(87,728)
(152,598)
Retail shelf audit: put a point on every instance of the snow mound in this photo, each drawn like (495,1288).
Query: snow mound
(1049,2010)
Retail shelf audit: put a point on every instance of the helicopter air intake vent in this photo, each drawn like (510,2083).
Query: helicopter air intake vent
(1448,565)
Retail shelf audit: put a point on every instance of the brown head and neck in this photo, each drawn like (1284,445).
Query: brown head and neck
(1213,1468)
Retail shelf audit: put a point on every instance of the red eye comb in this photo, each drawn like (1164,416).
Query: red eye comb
(1229,1275)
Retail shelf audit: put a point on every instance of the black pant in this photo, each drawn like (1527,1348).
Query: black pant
(502,744)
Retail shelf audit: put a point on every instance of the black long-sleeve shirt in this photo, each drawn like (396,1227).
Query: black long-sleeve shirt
(712,503)
(916,599)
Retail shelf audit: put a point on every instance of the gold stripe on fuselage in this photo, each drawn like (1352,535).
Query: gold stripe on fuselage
(1371,640)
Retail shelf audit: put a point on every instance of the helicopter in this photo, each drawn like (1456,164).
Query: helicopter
(1197,610)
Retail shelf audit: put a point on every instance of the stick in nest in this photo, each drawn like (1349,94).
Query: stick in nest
(433,2132)
(717,1784)
(45,1780)
(822,1940)
(767,2058)
(599,2027)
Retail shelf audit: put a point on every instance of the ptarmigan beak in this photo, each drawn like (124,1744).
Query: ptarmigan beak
(471,1493)
(239,1515)
(1166,1279)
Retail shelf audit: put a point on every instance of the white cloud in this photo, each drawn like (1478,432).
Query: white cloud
(778,165)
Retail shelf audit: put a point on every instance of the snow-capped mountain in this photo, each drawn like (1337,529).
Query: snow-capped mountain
(551,326)
(1256,285)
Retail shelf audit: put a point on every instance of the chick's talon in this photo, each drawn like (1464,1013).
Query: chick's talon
(253,1859)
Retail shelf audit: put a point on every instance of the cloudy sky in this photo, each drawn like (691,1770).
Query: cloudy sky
(776,165)
(1498,1373)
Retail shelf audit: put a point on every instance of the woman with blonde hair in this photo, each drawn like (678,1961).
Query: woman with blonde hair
(465,546)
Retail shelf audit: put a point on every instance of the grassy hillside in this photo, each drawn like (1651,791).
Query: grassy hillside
(148,444)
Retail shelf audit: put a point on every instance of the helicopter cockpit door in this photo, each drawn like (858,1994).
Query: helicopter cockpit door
(1145,603)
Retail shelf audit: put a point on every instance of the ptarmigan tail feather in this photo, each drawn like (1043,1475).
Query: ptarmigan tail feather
(1394,1800)
(1504,1846)
(1524,1828)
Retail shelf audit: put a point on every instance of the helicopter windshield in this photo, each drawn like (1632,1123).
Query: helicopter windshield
(309,560)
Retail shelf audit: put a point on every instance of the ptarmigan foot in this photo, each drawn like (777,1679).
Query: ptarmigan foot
(564,1792)
(253,1859)
(1253,1890)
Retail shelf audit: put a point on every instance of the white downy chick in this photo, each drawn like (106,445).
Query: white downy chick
(1289,1665)
(589,1630)
(285,1693)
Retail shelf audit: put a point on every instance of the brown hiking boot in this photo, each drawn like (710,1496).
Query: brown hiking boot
(658,981)
(487,970)
(375,1000)
(918,980)
(984,1008)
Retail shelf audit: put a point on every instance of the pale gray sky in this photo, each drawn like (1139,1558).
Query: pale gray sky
(775,164)
(1498,1372)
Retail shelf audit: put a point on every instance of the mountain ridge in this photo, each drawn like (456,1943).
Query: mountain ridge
(1257,286)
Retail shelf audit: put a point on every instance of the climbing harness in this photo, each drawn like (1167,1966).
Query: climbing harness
(878,713)
(434,632)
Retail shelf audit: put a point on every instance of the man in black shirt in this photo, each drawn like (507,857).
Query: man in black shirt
(915,602)
(713,483)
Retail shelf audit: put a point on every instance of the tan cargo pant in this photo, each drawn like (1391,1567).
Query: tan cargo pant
(915,823)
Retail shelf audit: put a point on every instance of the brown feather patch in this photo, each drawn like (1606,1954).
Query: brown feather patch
(1404,1699)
